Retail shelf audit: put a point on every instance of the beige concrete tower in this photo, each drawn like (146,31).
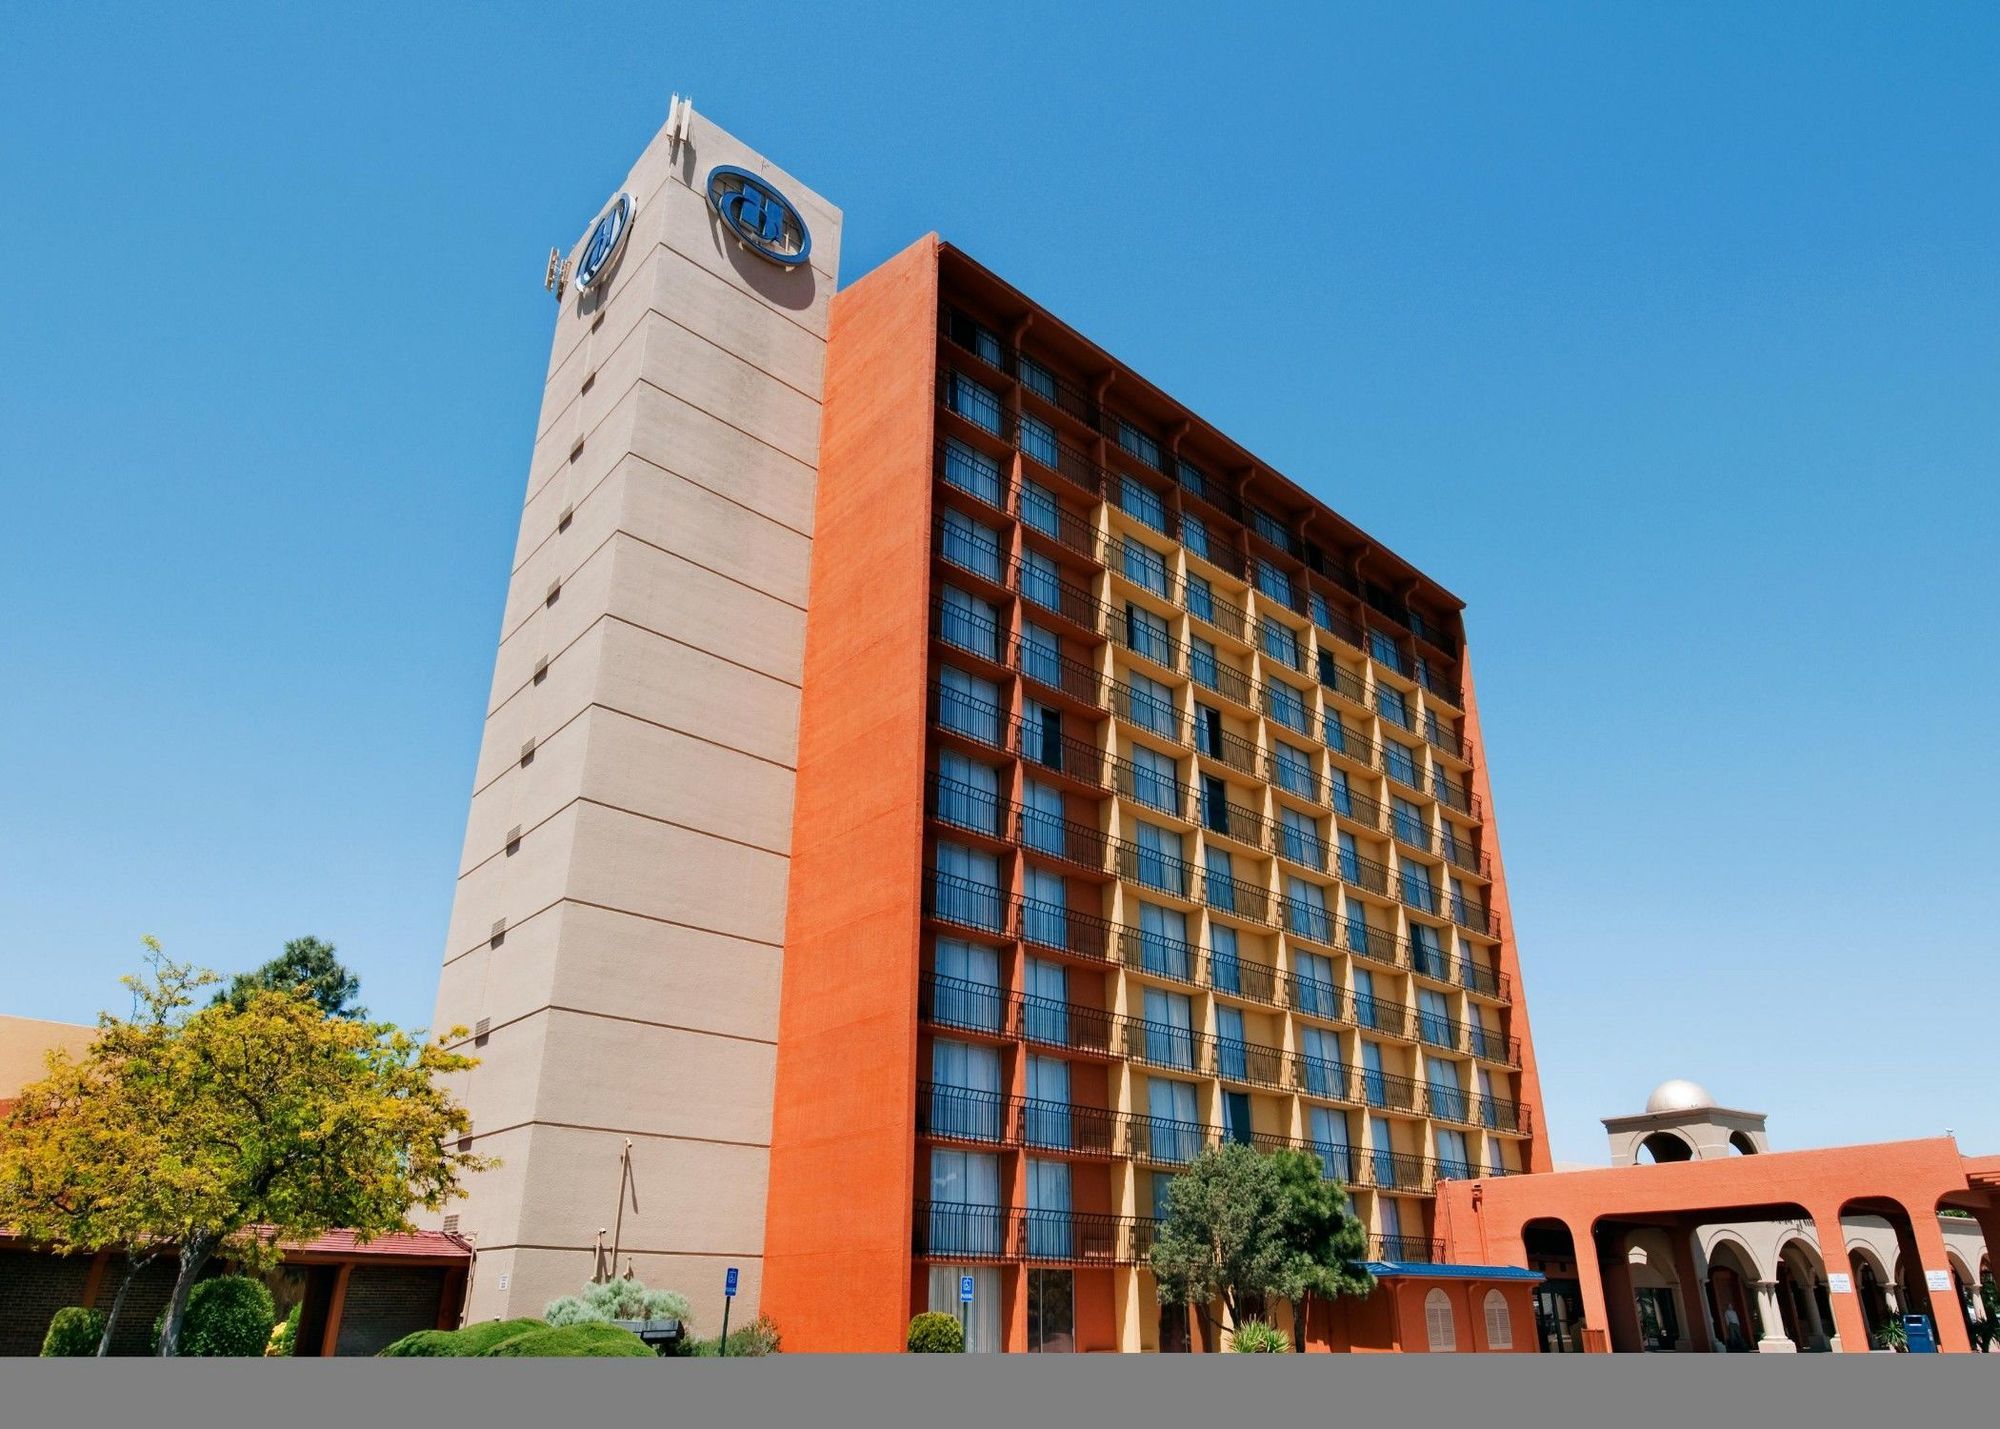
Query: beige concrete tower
(620,912)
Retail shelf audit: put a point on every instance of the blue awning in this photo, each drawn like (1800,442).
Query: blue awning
(1386,1269)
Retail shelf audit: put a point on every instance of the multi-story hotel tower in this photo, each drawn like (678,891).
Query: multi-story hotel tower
(934,785)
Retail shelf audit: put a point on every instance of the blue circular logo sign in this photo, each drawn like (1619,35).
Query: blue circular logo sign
(606,239)
(762,219)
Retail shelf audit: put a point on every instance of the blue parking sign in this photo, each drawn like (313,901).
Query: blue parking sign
(729,1285)
(965,1289)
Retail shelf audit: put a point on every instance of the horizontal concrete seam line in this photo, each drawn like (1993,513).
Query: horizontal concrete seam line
(513,925)
(543,739)
(784,854)
(576,506)
(486,944)
(625,1250)
(653,308)
(614,534)
(810,466)
(625,1131)
(622,1017)
(575,799)
(663,470)
(563,578)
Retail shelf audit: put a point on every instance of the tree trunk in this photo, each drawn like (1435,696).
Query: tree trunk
(194,1255)
(1300,1308)
(132,1272)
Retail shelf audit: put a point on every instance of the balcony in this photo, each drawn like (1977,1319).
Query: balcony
(1250,1064)
(1160,955)
(1345,683)
(1234,821)
(1015,1235)
(1215,611)
(1405,1249)
(1055,522)
(1363,872)
(1163,793)
(1474,916)
(1053,670)
(1225,680)
(1150,713)
(1051,593)
(947,1113)
(1226,748)
(1453,794)
(966,1006)
(1160,1141)
(1054,837)
(1356,808)
(1150,868)
(1442,737)
(994,913)
(1148,642)
(1350,744)
(1059,753)
(1237,898)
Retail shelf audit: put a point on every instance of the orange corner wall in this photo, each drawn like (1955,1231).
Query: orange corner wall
(837,1224)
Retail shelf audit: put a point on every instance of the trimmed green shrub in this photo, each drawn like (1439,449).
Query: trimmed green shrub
(472,1341)
(285,1339)
(936,1333)
(617,1299)
(590,1340)
(228,1317)
(73,1333)
(1254,1337)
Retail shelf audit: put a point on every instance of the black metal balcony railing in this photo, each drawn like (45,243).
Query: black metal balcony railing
(1053,670)
(1250,1063)
(1052,836)
(1161,872)
(1452,793)
(971,551)
(1150,713)
(1356,808)
(1350,744)
(953,1231)
(1059,753)
(1164,793)
(1405,1249)
(1343,682)
(1363,872)
(1231,749)
(967,630)
(966,806)
(1045,591)
(1211,609)
(1438,683)
(1462,854)
(948,1113)
(1055,521)
(1474,916)
(1241,977)
(1148,641)
(1161,955)
(1220,815)
(1442,736)
(980,1007)
(1161,1141)
(1232,895)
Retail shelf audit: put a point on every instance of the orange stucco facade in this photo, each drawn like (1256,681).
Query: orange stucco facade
(842,1155)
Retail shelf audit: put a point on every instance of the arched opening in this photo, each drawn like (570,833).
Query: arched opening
(1559,1298)
(1658,1298)
(1438,1327)
(1804,1297)
(1499,1321)
(1871,1288)
(1732,1299)
(1741,1144)
(1663,1147)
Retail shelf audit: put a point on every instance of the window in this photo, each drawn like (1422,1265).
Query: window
(966,1099)
(1438,1323)
(1051,1311)
(1315,989)
(1302,841)
(970,624)
(1335,733)
(1042,818)
(982,1316)
(1453,1161)
(1393,705)
(1401,762)
(1433,1018)
(1194,535)
(974,403)
(968,793)
(1039,507)
(1174,1131)
(1041,734)
(1169,1029)
(965,1203)
(972,335)
(1295,771)
(968,984)
(1038,379)
(1041,656)
(1489,1108)
(1223,967)
(1357,928)
(969,544)
(1499,1322)
(1409,821)
(972,471)
(1374,1083)
(1274,583)
(1200,598)
(1329,1135)
(1287,706)
(1155,780)
(1163,945)
(1419,890)
(1281,642)
(1038,440)
(1384,1141)
(1231,1056)
(1221,879)
(1427,953)
(1305,910)
(1383,647)
(1322,614)
(1144,566)
(1131,439)
(1160,863)
(1141,503)
(1325,1076)
(1146,634)
(1447,1094)
(1046,909)
(967,887)
(1049,1223)
(1201,664)
(1214,804)
(1236,1116)
(1151,706)
(1046,999)
(1343,797)
(1039,581)
(1350,858)
(1048,1119)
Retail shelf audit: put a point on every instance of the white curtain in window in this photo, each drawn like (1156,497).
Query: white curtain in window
(969,705)
(1499,1322)
(968,793)
(1438,1323)
(982,1316)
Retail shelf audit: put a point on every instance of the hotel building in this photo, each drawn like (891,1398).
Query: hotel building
(934,786)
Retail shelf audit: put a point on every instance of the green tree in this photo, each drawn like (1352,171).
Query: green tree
(1220,1239)
(231,1129)
(1324,1241)
(308,964)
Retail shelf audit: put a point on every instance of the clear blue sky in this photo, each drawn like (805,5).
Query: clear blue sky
(1667,336)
